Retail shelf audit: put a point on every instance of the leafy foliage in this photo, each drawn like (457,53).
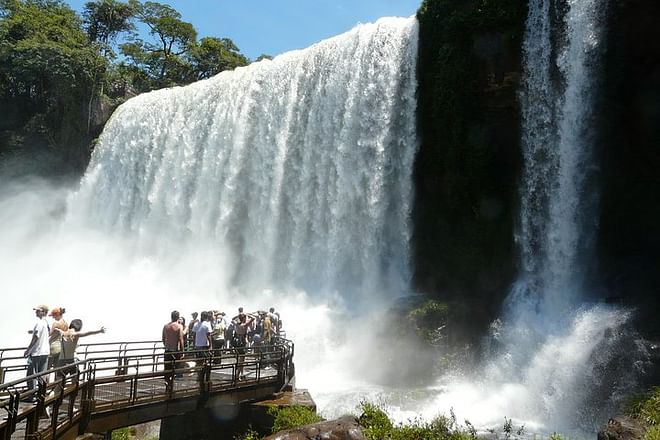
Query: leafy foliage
(214,55)
(44,54)
(377,426)
(250,434)
(646,407)
(292,417)
(123,433)
(60,77)
(653,433)
(430,321)
(105,20)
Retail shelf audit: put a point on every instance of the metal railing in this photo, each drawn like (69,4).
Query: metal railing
(120,376)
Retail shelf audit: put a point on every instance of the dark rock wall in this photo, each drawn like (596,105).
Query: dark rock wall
(629,232)
(467,169)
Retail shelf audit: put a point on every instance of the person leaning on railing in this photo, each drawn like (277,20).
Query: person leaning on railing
(70,339)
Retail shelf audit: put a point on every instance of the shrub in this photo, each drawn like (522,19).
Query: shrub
(123,433)
(376,425)
(646,407)
(292,417)
(250,434)
(653,433)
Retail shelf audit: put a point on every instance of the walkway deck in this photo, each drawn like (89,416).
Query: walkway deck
(122,384)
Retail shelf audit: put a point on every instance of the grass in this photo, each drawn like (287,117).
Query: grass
(376,425)
(292,417)
(646,407)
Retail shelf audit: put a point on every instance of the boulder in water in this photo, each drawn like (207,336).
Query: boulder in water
(623,428)
(344,428)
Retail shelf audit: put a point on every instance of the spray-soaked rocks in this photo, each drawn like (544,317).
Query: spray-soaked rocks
(344,428)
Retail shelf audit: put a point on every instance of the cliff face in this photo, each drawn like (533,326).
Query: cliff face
(469,163)
(629,233)
(467,169)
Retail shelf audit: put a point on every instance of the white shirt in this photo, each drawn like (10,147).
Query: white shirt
(42,347)
(201,329)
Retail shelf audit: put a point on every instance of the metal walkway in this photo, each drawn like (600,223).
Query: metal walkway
(122,384)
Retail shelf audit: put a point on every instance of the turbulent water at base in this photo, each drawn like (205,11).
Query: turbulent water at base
(286,183)
(555,361)
(299,167)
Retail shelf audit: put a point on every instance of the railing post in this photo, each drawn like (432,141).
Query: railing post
(32,422)
(134,383)
(12,414)
(56,408)
(87,398)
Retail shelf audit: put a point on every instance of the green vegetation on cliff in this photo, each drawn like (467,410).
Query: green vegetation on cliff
(377,425)
(646,407)
(60,75)
(466,169)
(292,417)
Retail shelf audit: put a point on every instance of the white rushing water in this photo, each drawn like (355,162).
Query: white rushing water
(551,353)
(299,167)
(286,183)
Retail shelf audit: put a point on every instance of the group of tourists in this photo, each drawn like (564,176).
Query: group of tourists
(54,341)
(212,332)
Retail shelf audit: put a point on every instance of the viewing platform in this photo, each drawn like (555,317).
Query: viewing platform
(114,385)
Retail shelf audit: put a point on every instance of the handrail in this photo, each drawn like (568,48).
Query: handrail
(73,396)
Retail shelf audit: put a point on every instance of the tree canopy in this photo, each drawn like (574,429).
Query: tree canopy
(61,71)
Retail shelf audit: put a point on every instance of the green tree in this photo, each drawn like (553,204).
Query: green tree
(105,20)
(263,56)
(162,59)
(44,54)
(47,71)
(213,55)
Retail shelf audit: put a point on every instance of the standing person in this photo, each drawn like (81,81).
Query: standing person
(218,336)
(182,322)
(203,332)
(173,342)
(267,325)
(38,350)
(70,339)
(240,340)
(55,339)
(191,329)
(275,321)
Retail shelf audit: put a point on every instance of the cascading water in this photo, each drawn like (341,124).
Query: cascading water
(299,167)
(291,179)
(287,183)
(550,352)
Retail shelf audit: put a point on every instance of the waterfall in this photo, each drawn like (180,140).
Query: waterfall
(299,167)
(561,62)
(552,356)
(557,346)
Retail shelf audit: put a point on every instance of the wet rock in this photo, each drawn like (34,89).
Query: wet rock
(623,428)
(344,428)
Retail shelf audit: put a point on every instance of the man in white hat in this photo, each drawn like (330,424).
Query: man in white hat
(39,349)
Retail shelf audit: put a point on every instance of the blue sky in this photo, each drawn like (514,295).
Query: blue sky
(276,26)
